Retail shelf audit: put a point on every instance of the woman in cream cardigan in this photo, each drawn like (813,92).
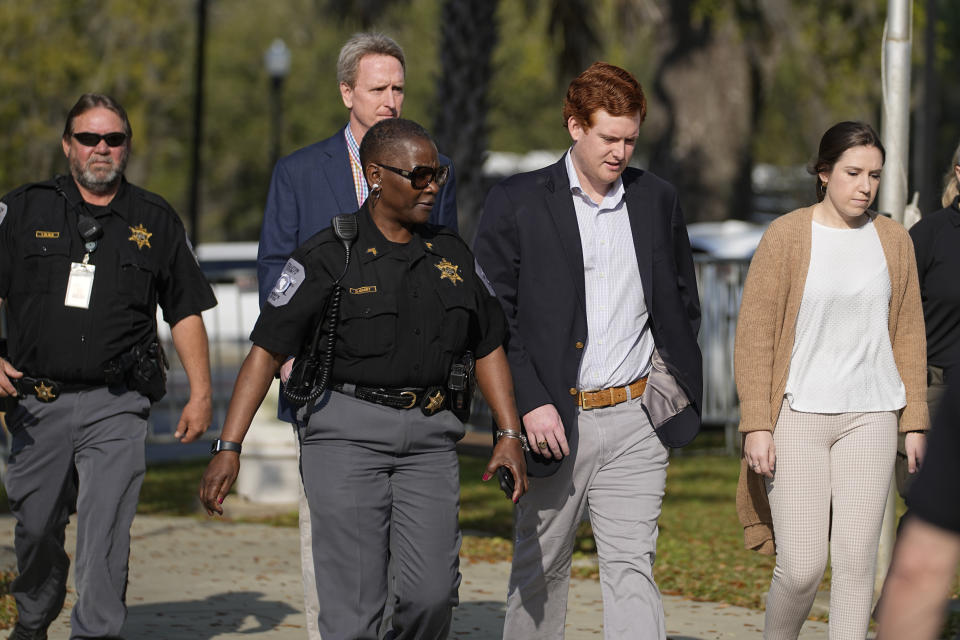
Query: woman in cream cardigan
(829,363)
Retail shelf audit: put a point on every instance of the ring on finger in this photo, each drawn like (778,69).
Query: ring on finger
(542,444)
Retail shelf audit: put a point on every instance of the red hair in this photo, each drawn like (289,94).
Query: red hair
(603,86)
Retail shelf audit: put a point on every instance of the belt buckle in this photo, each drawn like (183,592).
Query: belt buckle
(582,396)
(46,390)
(413,399)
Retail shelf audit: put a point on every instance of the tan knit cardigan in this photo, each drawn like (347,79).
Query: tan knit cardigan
(765,335)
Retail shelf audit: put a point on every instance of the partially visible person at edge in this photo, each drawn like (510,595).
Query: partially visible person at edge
(829,360)
(84,260)
(928,547)
(936,241)
(377,452)
(592,264)
(312,185)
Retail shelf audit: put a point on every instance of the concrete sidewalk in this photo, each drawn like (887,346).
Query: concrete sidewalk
(207,579)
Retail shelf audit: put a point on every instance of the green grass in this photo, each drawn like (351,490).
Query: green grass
(700,552)
(171,488)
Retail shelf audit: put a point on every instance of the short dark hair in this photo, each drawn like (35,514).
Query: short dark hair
(386,134)
(603,86)
(90,101)
(837,139)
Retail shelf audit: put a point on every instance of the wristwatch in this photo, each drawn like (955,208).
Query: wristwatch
(224,445)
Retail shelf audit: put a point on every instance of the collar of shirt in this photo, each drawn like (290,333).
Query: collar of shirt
(353,151)
(611,200)
(120,204)
(372,245)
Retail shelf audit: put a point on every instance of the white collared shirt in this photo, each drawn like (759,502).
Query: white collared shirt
(619,343)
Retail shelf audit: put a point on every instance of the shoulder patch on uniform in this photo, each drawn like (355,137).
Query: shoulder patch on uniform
(193,252)
(287,284)
(3,211)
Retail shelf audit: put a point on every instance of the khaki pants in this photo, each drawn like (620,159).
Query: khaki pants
(617,468)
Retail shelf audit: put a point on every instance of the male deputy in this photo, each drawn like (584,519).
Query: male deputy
(592,265)
(83,262)
(312,185)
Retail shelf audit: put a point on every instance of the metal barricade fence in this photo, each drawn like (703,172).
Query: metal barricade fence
(228,328)
(720,283)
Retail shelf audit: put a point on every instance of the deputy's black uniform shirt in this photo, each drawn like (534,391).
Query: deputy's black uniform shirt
(936,241)
(406,310)
(142,258)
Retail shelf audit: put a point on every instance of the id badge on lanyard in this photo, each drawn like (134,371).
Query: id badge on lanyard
(80,284)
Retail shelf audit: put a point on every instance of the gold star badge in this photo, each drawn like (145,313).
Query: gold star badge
(449,271)
(140,235)
(435,402)
(372,250)
(44,393)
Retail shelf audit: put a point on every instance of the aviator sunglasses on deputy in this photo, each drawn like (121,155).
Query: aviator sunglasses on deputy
(420,176)
(89,139)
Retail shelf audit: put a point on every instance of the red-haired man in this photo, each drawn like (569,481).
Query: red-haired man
(591,262)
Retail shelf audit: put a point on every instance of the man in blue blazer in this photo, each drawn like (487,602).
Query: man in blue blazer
(315,183)
(312,185)
(593,267)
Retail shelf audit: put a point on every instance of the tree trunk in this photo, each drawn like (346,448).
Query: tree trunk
(468,36)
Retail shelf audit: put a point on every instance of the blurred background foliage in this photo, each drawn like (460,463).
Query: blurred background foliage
(729,83)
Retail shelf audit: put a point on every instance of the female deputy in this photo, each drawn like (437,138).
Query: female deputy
(829,354)
(936,239)
(377,454)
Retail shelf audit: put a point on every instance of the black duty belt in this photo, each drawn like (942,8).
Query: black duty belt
(45,389)
(429,399)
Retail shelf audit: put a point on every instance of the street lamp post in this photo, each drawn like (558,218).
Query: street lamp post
(277,61)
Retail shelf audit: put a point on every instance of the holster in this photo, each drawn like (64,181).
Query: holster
(142,369)
(460,384)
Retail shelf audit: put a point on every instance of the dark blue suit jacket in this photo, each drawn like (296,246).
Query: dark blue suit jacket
(528,245)
(309,187)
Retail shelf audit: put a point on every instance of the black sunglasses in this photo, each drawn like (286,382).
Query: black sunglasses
(88,139)
(421,176)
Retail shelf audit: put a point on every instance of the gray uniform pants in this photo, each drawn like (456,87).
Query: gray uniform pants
(617,467)
(382,483)
(84,451)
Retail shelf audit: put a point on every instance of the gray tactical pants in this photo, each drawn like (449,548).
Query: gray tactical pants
(83,452)
(382,484)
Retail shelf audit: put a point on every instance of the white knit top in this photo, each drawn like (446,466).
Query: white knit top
(842,360)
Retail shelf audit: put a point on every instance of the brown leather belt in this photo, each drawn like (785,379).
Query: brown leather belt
(612,396)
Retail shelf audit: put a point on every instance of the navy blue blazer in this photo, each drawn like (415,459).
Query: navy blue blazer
(528,246)
(309,187)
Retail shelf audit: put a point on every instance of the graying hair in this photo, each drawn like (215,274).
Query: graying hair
(365,44)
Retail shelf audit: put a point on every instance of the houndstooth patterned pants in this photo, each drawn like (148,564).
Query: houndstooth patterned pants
(844,460)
